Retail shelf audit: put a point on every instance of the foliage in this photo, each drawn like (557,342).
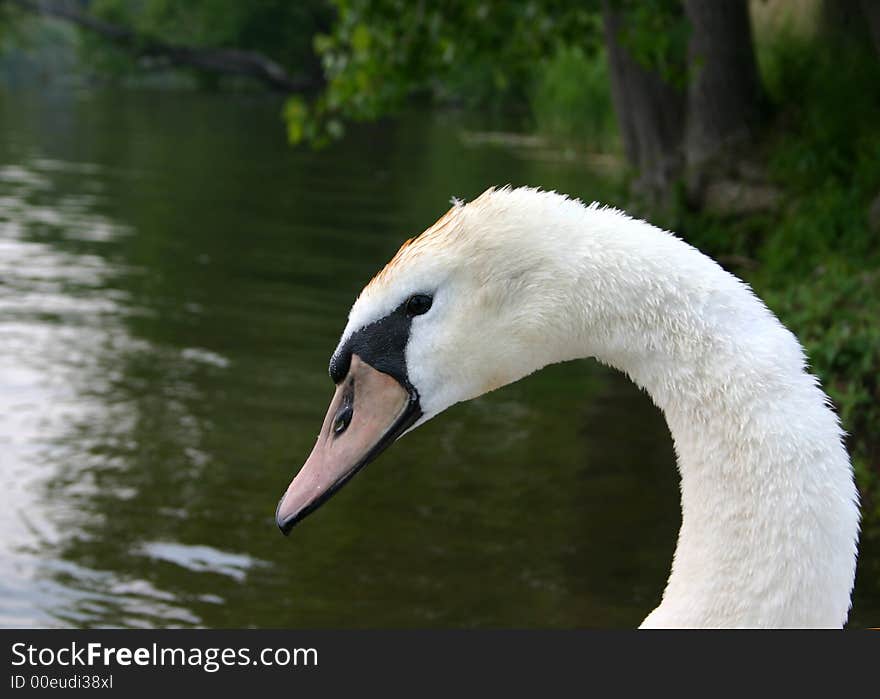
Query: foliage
(824,98)
(571,98)
(381,52)
(491,52)
(834,312)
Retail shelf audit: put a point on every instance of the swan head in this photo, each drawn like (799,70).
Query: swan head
(454,315)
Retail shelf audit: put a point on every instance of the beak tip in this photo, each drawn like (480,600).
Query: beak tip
(285,523)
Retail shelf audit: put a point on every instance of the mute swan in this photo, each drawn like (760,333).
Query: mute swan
(522,278)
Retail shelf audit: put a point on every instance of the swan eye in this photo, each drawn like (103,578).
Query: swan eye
(418,305)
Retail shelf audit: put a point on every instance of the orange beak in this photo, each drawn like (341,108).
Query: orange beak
(368,412)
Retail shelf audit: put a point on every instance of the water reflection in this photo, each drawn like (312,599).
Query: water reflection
(174,278)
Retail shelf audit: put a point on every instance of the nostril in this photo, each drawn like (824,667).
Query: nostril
(342,420)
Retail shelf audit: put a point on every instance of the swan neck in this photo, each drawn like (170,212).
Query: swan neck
(768,503)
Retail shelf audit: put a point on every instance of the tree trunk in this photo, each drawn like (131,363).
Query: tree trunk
(650,113)
(724,94)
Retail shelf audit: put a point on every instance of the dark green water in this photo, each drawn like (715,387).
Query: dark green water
(173,279)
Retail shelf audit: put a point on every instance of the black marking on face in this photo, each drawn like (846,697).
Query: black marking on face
(382,343)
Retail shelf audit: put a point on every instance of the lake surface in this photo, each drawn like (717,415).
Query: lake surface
(173,279)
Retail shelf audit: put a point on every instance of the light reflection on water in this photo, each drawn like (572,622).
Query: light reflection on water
(172,280)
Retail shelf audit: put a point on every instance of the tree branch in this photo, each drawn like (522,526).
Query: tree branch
(229,61)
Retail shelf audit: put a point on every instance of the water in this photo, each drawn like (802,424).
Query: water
(173,279)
